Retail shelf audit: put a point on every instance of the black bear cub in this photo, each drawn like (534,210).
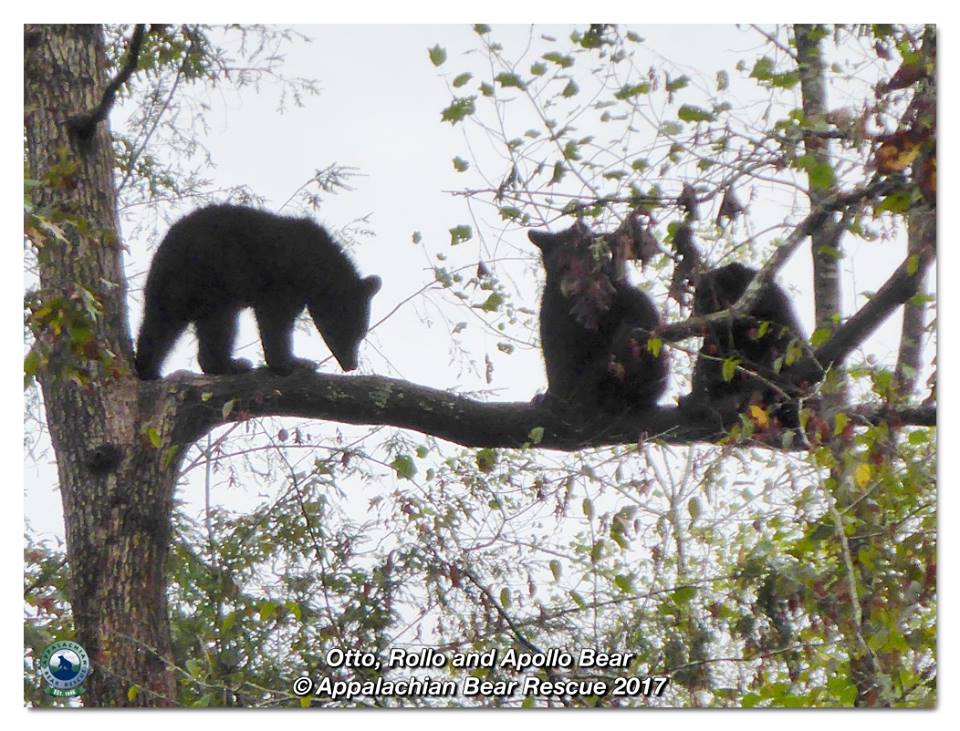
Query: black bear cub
(592,328)
(219,260)
(762,343)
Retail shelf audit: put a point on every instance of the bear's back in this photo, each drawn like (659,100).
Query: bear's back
(234,254)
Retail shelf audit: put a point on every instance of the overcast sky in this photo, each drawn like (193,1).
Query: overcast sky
(379,112)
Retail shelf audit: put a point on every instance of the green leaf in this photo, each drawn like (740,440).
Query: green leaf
(462,79)
(508,80)
(459,110)
(570,89)
(437,55)
(632,90)
(913,264)
(680,82)
(723,80)
(729,369)
(897,202)
(684,595)
(820,336)
(510,213)
(228,622)
(596,553)
(168,455)
(132,692)
(623,583)
(536,435)
(821,532)
(556,569)
(460,165)
(481,29)
(404,466)
(486,459)
(559,59)
(918,437)
(267,609)
(588,507)
(690,113)
(459,234)
(154,436)
(228,408)
(841,423)
(762,69)
(670,129)
(492,303)
(570,151)
(558,172)
(416,237)
(30,365)
(538,69)
(505,597)
(822,177)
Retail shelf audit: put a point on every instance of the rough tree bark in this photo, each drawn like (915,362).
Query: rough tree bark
(116,488)
(119,442)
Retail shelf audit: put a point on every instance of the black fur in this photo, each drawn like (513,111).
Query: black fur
(765,355)
(218,260)
(592,329)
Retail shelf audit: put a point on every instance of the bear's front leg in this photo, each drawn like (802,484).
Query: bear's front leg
(276,333)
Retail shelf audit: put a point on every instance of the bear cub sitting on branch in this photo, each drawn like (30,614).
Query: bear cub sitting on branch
(594,328)
(219,260)
(765,344)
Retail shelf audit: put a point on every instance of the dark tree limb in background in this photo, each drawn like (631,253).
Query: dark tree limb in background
(83,126)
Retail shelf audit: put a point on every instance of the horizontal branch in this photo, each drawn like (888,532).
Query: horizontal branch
(208,401)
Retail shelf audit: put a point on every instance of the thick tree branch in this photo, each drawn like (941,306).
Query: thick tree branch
(903,284)
(208,401)
(83,126)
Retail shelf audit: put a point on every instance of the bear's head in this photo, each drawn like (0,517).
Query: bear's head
(343,321)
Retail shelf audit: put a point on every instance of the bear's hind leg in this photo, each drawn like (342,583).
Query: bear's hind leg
(216,333)
(157,336)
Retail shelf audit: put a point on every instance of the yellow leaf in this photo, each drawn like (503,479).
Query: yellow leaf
(862,474)
(759,415)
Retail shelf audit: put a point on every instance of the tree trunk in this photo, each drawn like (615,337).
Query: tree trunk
(826,250)
(116,486)
(826,240)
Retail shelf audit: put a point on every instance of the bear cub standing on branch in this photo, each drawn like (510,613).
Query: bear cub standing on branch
(593,326)
(762,344)
(219,260)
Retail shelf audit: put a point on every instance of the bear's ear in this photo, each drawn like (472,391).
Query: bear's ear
(372,284)
(543,240)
